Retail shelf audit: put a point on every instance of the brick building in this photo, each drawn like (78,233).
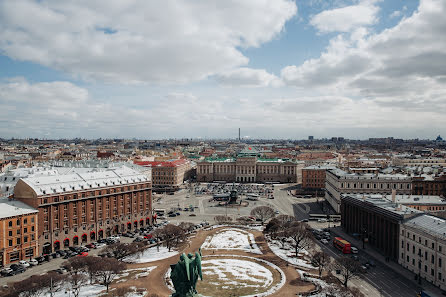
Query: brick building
(168,175)
(313,177)
(18,231)
(429,185)
(80,208)
(249,169)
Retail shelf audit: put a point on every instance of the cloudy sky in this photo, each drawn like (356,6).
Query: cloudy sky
(203,68)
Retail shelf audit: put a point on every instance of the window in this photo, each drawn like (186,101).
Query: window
(25,221)
(432,259)
(25,239)
(10,242)
(413,261)
(10,224)
(10,233)
(18,241)
(439,262)
(13,256)
(433,245)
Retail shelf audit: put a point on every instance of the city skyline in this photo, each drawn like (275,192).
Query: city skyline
(278,69)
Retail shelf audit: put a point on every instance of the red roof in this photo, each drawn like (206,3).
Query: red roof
(173,163)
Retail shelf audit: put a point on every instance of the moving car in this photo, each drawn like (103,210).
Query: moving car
(354,250)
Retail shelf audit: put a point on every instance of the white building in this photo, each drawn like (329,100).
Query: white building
(338,182)
(423,248)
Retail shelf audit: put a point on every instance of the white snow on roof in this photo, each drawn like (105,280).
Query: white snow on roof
(84,180)
(10,208)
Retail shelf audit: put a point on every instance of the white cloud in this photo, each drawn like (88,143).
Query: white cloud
(139,40)
(396,14)
(248,77)
(346,19)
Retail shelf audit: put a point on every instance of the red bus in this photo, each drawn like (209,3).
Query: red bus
(342,245)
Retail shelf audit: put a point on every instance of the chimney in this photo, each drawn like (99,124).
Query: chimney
(393,195)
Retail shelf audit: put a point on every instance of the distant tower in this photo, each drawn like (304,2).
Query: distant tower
(239,134)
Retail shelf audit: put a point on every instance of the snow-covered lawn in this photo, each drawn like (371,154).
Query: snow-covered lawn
(236,272)
(138,273)
(86,291)
(287,253)
(150,255)
(232,239)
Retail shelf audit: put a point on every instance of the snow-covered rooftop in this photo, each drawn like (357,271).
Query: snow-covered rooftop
(10,208)
(83,180)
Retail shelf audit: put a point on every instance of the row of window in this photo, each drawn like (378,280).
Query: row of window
(426,242)
(18,240)
(375,186)
(18,222)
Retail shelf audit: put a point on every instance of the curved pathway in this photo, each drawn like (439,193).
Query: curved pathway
(155,281)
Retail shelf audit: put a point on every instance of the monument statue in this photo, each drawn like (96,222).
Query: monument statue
(185,273)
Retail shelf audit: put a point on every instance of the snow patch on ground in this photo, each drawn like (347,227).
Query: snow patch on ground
(287,253)
(235,272)
(232,239)
(86,291)
(241,265)
(150,255)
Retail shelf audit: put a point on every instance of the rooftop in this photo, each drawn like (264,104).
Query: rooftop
(76,181)
(11,208)
(429,224)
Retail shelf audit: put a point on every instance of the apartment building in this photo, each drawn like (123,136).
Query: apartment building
(168,175)
(313,177)
(429,185)
(83,207)
(249,170)
(18,231)
(338,182)
(422,243)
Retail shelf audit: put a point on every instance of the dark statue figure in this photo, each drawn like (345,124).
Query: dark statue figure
(185,275)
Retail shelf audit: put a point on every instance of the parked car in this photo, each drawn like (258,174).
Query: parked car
(17,268)
(83,254)
(354,250)
(24,263)
(33,262)
(371,263)
(6,271)
(40,259)
(322,220)
(324,241)
(91,246)
(363,268)
(100,245)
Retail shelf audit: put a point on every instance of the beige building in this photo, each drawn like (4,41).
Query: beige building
(168,175)
(422,242)
(338,182)
(249,170)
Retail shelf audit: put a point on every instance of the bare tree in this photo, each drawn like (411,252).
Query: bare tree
(80,265)
(301,236)
(348,268)
(75,283)
(223,219)
(122,250)
(107,269)
(321,260)
(171,235)
(263,213)
(186,226)
(36,285)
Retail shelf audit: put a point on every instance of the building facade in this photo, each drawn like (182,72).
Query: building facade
(338,182)
(422,242)
(18,231)
(168,175)
(376,221)
(249,170)
(431,185)
(80,208)
(313,177)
